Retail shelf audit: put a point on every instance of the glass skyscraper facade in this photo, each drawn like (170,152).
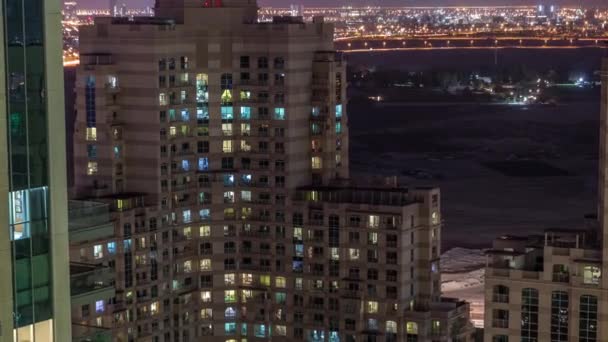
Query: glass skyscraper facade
(35,294)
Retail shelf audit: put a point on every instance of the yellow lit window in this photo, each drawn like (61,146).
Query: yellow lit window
(205,231)
(265,280)
(154,308)
(245,147)
(92,168)
(245,295)
(227,146)
(317,163)
(372,307)
(172,131)
(188,233)
(280,282)
(227,129)
(206,265)
(411,328)
(206,314)
(91,134)
(353,253)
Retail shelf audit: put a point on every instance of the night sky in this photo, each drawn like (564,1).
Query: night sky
(285,3)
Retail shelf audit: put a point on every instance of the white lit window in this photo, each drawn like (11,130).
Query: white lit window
(335,253)
(247,278)
(372,307)
(187,266)
(591,275)
(162,99)
(98,251)
(317,163)
(435,217)
(206,296)
(374,221)
(353,253)
(299,283)
(246,196)
(172,131)
(99,306)
(206,265)
(92,168)
(229,279)
(391,327)
(280,330)
(227,129)
(154,308)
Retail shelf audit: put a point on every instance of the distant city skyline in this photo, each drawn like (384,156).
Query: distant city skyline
(326,3)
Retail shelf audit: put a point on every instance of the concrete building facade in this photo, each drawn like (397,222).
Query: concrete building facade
(33,189)
(553,287)
(220,145)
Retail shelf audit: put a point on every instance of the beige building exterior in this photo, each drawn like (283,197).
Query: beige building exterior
(553,287)
(220,146)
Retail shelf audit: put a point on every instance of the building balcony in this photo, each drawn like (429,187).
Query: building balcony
(90,283)
(89,221)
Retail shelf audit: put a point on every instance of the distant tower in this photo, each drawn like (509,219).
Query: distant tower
(113,8)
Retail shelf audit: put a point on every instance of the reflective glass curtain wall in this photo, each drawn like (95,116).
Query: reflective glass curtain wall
(28,166)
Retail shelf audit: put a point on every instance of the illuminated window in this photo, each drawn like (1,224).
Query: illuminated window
(411,328)
(112,247)
(227,146)
(299,283)
(230,313)
(247,278)
(245,129)
(245,113)
(280,282)
(338,127)
(316,111)
(280,330)
(229,279)
(154,308)
(203,164)
(162,99)
(246,295)
(353,253)
(206,265)
(205,231)
(265,280)
(591,275)
(334,253)
(245,95)
(188,266)
(316,163)
(204,214)
(246,196)
(99,306)
(206,313)
(172,131)
(98,251)
(338,111)
(92,168)
(230,296)
(391,327)
(206,296)
(373,221)
(279,113)
(186,216)
(280,298)
(259,330)
(245,146)
(435,218)
(227,129)
(91,134)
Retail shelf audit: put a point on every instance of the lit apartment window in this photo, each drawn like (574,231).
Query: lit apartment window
(247,278)
(334,253)
(279,113)
(338,128)
(186,216)
(99,306)
(203,164)
(259,330)
(246,196)
(205,231)
(227,146)
(265,280)
(206,296)
(338,111)
(316,163)
(245,129)
(154,308)
(206,265)
(188,266)
(299,283)
(230,296)
(185,115)
(245,146)
(229,279)
(353,253)
(280,282)
(98,251)
(591,275)
(162,99)
(246,295)
(371,307)
(245,113)
(91,134)
(373,221)
(183,96)
(92,168)
(391,327)
(227,129)
(206,313)
(172,131)
(411,328)
(435,217)
(112,247)
(230,313)
(227,113)
(245,95)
